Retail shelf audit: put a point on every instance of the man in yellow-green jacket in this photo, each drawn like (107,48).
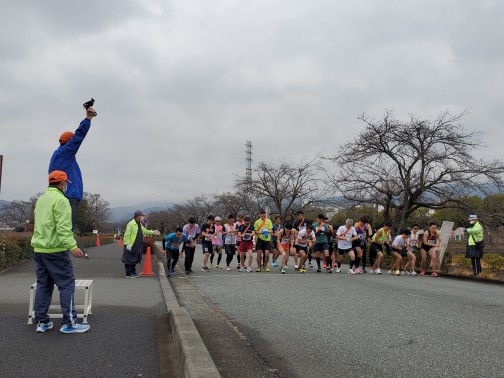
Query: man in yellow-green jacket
(474,249)
(53,241)
(133,244)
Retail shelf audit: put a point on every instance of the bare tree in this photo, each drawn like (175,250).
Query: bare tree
(405,166)
(93,212)
(17,214)
(284,187)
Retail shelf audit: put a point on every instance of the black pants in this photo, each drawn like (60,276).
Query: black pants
(476,265)
(130,269)
(171,259)
(189,257)
(230,252)
(74,204)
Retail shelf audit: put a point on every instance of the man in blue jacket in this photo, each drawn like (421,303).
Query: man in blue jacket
(63,159)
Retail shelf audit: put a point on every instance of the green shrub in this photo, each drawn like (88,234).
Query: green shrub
(461,261)
(494,262)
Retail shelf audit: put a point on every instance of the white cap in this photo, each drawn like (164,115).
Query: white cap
(218,218)
(473,217)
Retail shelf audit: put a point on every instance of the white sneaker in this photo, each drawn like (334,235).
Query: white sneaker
(338,270)
(296,267)
(228,268)
(405,273)
(413,273)
(378,271)
(249,270)
(351,271)
(390,272)
(397,272)
(372,271)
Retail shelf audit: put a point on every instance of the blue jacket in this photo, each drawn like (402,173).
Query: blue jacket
(173,243)
(63,159)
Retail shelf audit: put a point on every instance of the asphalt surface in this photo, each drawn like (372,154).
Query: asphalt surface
(320,325)
(122,341)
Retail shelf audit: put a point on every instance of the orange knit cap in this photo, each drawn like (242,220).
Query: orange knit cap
(66,136)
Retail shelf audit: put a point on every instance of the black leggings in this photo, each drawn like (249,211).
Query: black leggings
(230,252)
(172,259)
(476,265)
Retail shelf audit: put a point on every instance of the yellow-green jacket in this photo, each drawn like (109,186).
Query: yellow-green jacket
(132,231)
(475,233)
(53,223)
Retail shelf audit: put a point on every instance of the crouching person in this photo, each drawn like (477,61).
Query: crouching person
(173,242)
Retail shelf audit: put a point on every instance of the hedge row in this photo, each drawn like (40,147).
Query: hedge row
(18,248)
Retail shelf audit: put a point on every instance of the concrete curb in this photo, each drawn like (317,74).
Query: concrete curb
(193,356)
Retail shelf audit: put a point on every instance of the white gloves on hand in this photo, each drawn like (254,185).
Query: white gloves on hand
(128,247)
(157,233)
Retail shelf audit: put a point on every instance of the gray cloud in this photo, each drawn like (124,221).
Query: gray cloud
(180,86)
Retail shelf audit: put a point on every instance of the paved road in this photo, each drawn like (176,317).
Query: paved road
(121,343)
(319,325)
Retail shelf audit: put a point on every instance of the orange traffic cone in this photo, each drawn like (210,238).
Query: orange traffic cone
(120,244)
(98,240)
(147,268)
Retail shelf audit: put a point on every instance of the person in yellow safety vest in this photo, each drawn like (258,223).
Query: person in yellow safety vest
(53,242)
(381,238)
(133,244)
(475,245)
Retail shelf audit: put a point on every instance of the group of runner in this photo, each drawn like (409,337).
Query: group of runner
(305,241)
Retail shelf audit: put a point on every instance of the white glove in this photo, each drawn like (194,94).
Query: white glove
(157,233)
(128,247)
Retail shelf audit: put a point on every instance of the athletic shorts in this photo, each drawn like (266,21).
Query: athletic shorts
(300,248)
(207,246)
(263,245)
(343,251)
(230,249)
(375,248)
(238,243)
(359,243)
(321,247)
(426,247)
(246,245)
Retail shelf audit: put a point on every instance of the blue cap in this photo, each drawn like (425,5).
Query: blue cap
(138,213)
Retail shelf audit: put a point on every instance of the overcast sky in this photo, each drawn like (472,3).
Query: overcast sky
(180,86)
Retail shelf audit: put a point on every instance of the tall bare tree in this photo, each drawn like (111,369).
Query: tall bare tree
(93,212)
(17,214)
(405,166)
(285,187)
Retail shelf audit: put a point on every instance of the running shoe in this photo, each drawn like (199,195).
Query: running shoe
(302,270)
(351,271)
(338,270)
(211,266)
(405,273)
(328,270)
(310,266)
(397,273)
(249,270)
(130,276)
(228,268)
(173,272)
(266,269)
(187,272)
(357,270)
(390,272)
(274,264)
(378,271)
(296,267)
(422,273)
(283,270)
(372,271)
(413,273)
(76,328)
(434,274)
(258,269)
(219,267)
(242,270)
(324,265)
(42,327)
(168,274)
(319,270)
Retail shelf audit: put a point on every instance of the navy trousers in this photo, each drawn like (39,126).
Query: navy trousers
(55,269)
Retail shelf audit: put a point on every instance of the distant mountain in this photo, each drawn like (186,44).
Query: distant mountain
(124,213)
(3,203)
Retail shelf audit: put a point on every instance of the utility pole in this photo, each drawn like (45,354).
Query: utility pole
(248,161)
(1,163)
